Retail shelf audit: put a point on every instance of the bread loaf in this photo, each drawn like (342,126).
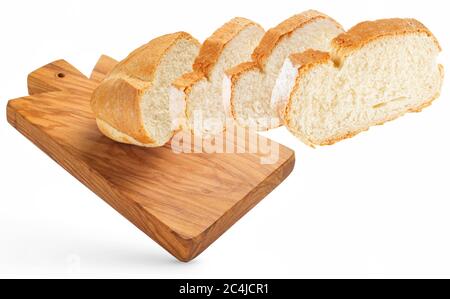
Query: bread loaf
(131,105)
(374,73)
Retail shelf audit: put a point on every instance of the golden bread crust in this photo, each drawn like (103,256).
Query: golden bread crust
(116,101)
(115,135)
(186,81)
(365,32)
(273,36)
(143,62)
(213,46)
(309,57)
(235,71)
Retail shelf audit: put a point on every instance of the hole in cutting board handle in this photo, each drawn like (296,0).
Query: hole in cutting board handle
(61,75)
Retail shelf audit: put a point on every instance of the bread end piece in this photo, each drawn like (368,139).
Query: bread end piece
(124,96)
(131,104)
(118,136)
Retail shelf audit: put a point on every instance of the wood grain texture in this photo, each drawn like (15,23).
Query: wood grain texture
(182,201)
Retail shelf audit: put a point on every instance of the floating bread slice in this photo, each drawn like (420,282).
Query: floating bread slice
(131,105)
(249,85)
(375,72)
(201,90)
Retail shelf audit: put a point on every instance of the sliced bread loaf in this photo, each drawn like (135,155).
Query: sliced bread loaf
(375,72)
(131,105)
(199,92)
(249,85)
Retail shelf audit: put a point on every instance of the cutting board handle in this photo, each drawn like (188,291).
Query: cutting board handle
(104,65)
(59,76)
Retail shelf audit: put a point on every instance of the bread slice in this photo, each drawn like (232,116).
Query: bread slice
(249,85)
(131,105)
(375,72)
(201,89)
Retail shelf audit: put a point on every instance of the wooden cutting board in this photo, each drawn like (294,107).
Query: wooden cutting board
(183,201)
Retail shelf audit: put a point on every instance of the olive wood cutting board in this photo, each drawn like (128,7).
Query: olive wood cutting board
(183,201)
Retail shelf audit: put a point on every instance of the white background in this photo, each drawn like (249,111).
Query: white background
(377,205)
